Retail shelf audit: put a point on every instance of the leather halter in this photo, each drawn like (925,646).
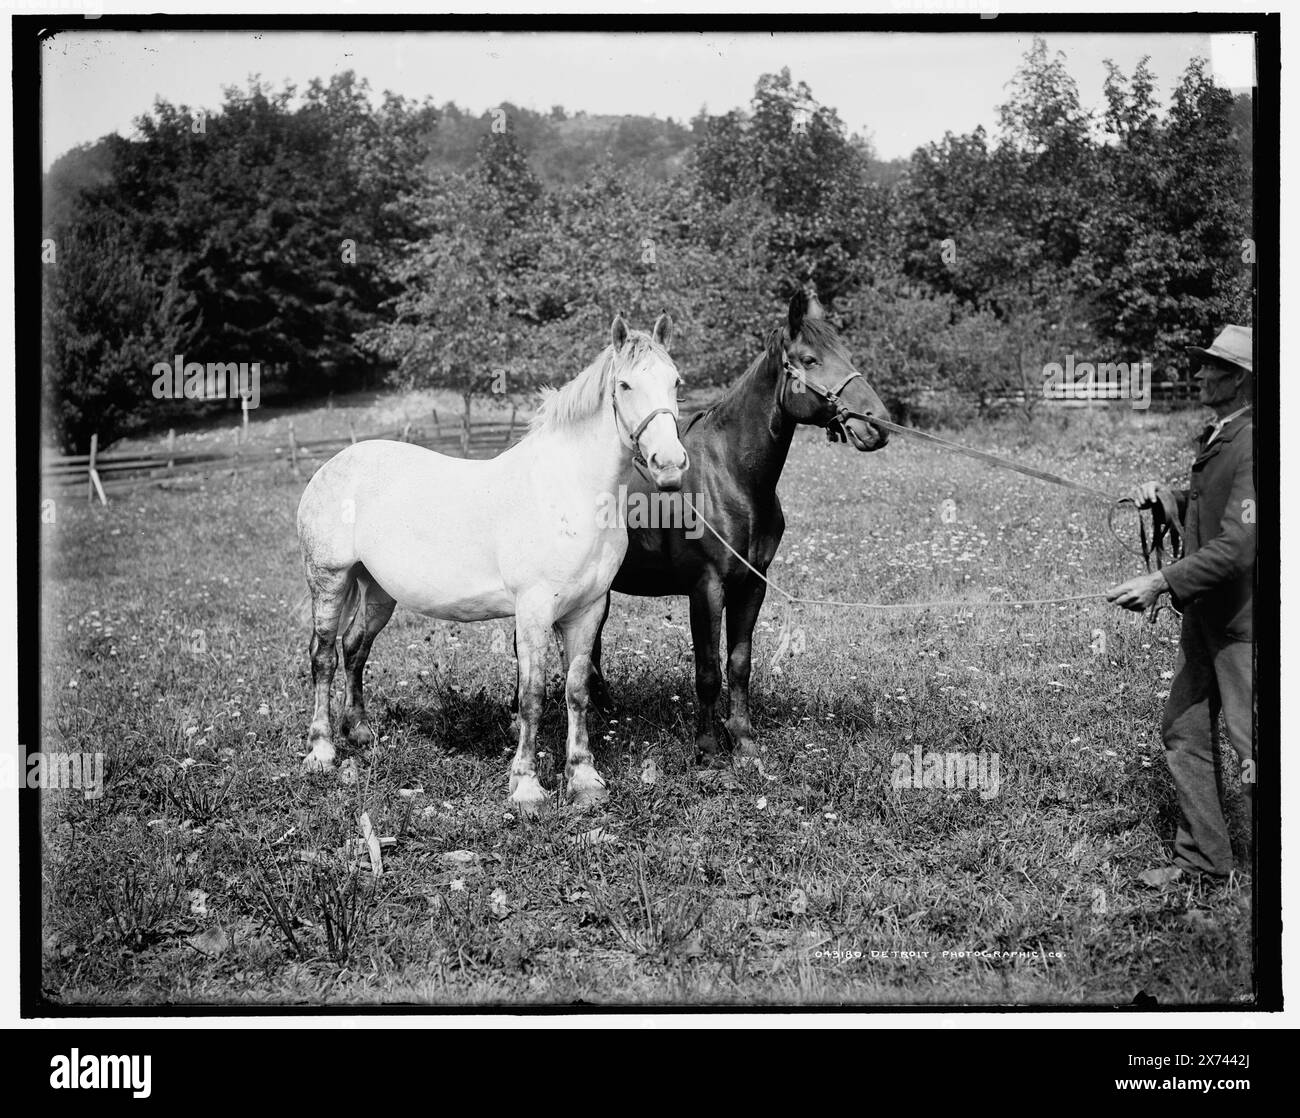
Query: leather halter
(835,425)
(634,435)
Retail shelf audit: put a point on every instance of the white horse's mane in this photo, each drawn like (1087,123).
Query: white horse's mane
(577,401)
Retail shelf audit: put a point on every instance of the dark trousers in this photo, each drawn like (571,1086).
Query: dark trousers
(1212,674)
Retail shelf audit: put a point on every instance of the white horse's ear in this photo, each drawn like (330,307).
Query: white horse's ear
(618,332)
(663,331)
(814,306)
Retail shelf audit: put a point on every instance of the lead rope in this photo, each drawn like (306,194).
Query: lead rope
(793,600)
(1164,519)
(984,456)
(1162,523)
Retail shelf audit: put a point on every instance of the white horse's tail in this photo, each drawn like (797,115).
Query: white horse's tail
(352,602)
(302,611)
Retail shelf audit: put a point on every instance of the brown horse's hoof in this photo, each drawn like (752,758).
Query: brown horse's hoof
(707,752)
(722,778)
(357,730)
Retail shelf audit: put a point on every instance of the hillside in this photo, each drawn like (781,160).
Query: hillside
(563,148)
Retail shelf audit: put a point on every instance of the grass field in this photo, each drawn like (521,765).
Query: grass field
(212,871)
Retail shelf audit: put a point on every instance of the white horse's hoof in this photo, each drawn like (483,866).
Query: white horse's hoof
(584,798)
(586,788)
(319,760)
(527,795)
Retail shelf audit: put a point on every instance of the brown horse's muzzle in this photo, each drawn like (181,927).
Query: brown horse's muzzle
(865,435)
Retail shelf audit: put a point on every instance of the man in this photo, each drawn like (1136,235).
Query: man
(1214,586)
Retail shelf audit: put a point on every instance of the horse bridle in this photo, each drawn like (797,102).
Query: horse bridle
(836,430)
(634,434)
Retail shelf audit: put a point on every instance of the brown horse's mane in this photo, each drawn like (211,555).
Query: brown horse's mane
(817,332)
(821,335)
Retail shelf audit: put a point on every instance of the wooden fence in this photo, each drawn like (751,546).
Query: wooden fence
(101,472)
(1164,396)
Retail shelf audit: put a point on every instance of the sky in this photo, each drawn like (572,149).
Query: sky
(901,89)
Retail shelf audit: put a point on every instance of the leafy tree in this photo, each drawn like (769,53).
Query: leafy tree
(106,320)
(794,156)
(270,222)
(464,310)
(955,231)
(1163,252)
(277,218)
(1205,214)
(931,357)
(563,148)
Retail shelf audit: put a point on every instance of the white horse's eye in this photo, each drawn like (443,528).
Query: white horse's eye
(624,386)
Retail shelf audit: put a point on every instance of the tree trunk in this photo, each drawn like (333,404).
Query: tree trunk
(464,426)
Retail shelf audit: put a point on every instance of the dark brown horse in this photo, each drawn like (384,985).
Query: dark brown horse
(737,450)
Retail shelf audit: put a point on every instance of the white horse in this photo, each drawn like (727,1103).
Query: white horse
(521,534)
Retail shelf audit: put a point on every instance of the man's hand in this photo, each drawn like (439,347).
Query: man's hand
(1146,494)
(1138,593)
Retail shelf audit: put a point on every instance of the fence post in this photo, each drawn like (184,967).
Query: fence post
(171,450)
(406,433)
(437,427)
(293,450)
(510,434)
(352,431)
(95,485)
(243,406)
